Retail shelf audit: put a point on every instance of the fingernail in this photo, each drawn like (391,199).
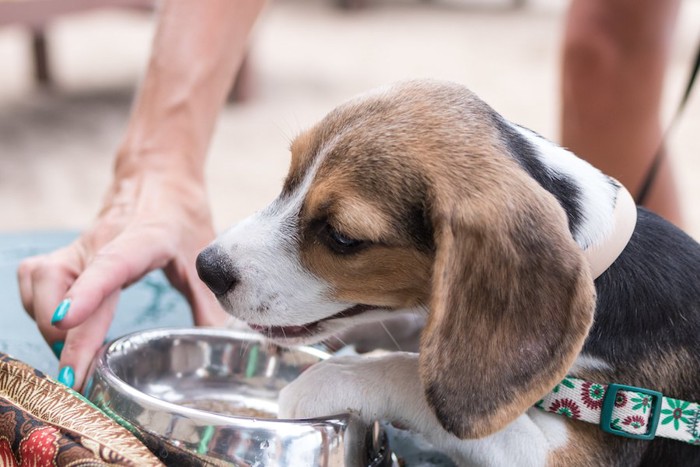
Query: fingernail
(61,311)
(57,348)
(66,376)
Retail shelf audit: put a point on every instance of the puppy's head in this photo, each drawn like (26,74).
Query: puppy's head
(407,198)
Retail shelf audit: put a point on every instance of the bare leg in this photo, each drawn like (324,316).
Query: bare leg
(615,55)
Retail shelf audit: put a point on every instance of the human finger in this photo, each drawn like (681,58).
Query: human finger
(126,259)
(83,341)
(49,283)
(24,281)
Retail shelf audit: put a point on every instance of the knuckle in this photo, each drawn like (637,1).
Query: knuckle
(113,260)
(26,266)
(78,345)
(46,269)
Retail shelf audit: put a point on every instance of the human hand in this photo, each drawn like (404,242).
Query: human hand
(150,220)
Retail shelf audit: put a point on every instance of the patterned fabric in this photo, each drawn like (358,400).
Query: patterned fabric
(583,400)
(43,423)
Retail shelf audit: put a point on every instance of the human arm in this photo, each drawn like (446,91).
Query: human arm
(155,213)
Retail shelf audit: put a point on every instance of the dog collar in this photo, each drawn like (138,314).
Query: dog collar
(600,256)
(626,411)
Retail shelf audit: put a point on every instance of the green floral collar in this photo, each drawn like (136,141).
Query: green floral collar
(626,411)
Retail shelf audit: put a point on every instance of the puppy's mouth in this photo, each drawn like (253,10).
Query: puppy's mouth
(309,329)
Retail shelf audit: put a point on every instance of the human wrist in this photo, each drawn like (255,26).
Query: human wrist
(167,132)
(159,163)
(146,191)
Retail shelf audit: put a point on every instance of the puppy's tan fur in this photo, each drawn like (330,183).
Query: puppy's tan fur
(490,256)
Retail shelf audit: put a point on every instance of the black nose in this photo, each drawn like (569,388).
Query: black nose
(215,270)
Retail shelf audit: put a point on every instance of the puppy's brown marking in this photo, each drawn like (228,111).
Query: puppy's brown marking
(390,272)
(348,211)
(304,149)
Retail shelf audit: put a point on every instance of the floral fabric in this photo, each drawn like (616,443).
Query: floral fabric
(583,400)
(43,423)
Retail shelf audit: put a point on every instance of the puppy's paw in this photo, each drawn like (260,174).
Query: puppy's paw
(388,388)
(375,388)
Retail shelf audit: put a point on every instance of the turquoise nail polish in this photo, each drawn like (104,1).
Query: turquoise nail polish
(61,311)
(66,376)
(57,348)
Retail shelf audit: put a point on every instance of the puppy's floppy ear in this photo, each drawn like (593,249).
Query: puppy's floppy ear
(512,300)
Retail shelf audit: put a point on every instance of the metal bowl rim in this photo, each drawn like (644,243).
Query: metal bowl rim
(123,387)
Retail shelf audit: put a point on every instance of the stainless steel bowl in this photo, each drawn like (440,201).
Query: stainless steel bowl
(178,391)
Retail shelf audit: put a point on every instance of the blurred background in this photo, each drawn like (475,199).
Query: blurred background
(60,124)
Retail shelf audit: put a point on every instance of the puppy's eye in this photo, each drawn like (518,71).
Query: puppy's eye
(341,243)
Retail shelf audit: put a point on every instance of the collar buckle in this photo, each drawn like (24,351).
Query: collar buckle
(606,423)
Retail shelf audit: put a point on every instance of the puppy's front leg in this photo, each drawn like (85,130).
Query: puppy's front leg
(385,387)
(389,388)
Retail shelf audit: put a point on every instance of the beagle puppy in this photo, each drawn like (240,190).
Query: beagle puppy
(419,197)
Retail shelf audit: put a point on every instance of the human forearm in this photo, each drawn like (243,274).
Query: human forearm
(197,49)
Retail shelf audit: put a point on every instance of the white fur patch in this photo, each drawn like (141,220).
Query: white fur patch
(588,362)
(597,191)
